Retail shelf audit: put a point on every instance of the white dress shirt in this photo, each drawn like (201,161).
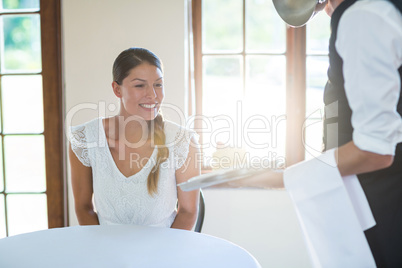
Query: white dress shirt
(369,42)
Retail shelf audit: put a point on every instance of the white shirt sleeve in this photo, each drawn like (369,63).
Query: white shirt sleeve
(78,141)
(370,43)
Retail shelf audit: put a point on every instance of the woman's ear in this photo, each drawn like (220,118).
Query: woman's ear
(116,89)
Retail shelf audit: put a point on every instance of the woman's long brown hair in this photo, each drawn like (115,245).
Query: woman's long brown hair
(124,63)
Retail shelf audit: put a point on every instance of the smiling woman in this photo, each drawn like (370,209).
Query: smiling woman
(132,162)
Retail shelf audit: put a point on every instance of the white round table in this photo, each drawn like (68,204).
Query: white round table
(117,246)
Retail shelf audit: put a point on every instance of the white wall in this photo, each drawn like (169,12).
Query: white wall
(94,32)
(261,221)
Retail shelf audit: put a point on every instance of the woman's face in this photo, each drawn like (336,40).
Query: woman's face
(141,92)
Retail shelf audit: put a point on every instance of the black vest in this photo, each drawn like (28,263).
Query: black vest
(383,188)
(334,95)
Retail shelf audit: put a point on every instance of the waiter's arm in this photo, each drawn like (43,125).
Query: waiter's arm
(352,160)
(372,91)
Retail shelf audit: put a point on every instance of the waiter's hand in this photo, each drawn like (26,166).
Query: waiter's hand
(352,160)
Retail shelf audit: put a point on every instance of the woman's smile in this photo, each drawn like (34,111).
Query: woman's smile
(148,106)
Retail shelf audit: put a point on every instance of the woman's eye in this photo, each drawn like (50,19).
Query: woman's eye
(159,85)
(139,85)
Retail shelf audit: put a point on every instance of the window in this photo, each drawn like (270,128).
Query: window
(31,166)
(258,83)
(318,32)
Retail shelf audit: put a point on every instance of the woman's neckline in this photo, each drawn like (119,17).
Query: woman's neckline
(109,153)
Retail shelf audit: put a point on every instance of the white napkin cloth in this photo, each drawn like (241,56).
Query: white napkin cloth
(333,213)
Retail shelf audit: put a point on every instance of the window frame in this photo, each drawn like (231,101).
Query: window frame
(53,114)
(53,105)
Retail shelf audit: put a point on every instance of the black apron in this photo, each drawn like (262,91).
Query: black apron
(383,188)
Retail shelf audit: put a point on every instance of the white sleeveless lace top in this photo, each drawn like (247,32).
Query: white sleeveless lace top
(125,200)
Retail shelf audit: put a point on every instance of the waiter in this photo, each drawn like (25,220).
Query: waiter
(362,127)
(364,82)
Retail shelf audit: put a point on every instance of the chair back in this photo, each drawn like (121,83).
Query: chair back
(201,213)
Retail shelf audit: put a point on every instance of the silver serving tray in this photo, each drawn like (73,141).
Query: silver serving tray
(218,177)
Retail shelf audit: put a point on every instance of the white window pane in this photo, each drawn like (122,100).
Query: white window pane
(266,85)
(313,137)
(222,84)
(222,94)
(21,4)
(222,25)
(22,104)
(265,30)
(2,217)
(316,67)
(21,48)
(318,32)
(265,104)
(26,213)
(1,168)
(25,172)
